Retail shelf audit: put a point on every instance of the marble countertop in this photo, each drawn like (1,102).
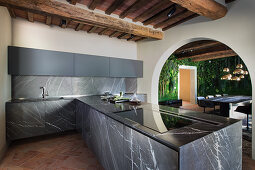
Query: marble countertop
(170,126)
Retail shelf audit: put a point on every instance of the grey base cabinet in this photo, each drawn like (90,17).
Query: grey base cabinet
(25,120)
(30,119)
(119,147)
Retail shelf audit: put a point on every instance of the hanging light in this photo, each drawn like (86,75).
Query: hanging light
(226,70)
(241,77)
(239,66)
(238,71)
(235,78)
(226,77)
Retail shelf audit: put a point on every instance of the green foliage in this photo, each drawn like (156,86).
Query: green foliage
(209,78)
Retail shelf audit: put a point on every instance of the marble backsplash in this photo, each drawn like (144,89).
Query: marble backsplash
(29,86)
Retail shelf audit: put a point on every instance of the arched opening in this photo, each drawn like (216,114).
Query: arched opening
(212,61)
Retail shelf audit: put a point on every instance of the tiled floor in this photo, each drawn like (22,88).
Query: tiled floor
(61,152)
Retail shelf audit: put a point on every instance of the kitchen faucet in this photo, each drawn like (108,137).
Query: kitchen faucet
(44,92)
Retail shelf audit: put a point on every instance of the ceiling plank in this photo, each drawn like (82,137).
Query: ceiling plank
(208,8)
(79,15)
(153,10)
(11,12)
(134,7)
(214,55)
(94,4)
(79,27)
(30,16)
(180,22)
(48,20)
(115,5)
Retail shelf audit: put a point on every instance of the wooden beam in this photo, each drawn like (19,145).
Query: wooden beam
(197,46)
(113,34)
(94,4)
(11,12)
(210,55)
(64,23)
(134,7)
(103,31)
(122,35)
(116,4)
(92,29)
(80,15)
(180,22)
(30,16)
(131,37)
(208,8)
(48,20)
(214,55)
(153,10)
(174,18)
(79,27)
(158,16)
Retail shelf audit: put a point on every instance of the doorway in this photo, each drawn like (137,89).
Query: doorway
(187,84)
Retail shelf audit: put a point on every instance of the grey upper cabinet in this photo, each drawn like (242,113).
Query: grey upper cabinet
(36,62)
(27,61)
(125,68)
(91,66)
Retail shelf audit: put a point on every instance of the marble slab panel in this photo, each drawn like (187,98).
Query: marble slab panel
(25,120)
(220,150)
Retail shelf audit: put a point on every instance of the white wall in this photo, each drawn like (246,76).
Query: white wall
(5,85)
(42,36)
(236,29)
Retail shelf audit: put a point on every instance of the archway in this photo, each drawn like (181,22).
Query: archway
(161,62)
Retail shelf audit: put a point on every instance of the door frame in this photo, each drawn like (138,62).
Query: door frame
(193,68)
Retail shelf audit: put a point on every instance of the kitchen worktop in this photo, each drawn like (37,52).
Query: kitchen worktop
(170,126)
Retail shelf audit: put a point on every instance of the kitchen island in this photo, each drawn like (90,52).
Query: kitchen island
(147,136)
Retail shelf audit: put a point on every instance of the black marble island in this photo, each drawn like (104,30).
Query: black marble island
(147,136)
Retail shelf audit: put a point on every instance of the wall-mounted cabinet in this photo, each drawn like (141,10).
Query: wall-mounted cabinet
(27,61)
(125,68)
(36,62)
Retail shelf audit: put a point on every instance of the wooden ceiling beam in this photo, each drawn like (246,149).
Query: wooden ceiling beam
(94,4)
(208,8)
(158,16)
(11,12)
(92,29)
(174,18)
(153,10)
(79,27)
(214,55)
(122,35)
(80,15)
(48,20)
(198,46)
(113,34)
(103,31)
(131,37)
(180,22)
(30,16)
(134,7)
(115,5)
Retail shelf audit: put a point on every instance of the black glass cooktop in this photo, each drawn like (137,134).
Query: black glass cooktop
(155,120)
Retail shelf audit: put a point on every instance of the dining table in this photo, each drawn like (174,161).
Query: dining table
(226,103)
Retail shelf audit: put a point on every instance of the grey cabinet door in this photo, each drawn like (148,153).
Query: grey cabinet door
(60,116)
(125,68)
(27,61)
(25,120)
(91,66)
